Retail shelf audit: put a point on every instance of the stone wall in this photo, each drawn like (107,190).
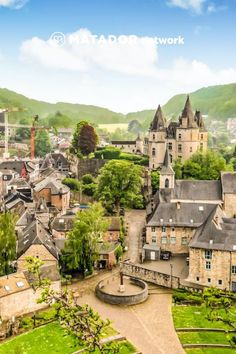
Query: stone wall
(91,166)
(151,276)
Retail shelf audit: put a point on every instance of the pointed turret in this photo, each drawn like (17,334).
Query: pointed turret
(198,118)
(167,168)
(159,121)
(167,174)
(187,114)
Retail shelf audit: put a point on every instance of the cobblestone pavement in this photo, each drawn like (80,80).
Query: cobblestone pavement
(148,325)
(135,220)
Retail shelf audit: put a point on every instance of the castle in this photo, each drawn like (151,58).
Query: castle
(182,138)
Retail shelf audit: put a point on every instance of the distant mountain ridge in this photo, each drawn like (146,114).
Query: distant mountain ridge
(219,102)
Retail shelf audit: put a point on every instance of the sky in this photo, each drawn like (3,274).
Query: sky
(125,55)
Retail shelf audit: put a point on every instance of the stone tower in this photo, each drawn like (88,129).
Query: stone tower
(167,174)
(157,139)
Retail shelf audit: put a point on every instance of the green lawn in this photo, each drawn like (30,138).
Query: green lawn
(195,317)
(50,339)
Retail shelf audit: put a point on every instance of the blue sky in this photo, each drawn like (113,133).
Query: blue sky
(121,77)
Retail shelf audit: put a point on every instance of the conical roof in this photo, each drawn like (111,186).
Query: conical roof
(188,113)
(159,121)
(166,168)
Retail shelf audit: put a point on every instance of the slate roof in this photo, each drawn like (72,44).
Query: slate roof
(54,160)
(159,121)
(197,190)
(216,236)
(17,165)
(188,215)
(35,234)
(20,183)
(123,142)
(188,113)
(41,206)
(228,180)
(166,167)
(63,223)
(54,185)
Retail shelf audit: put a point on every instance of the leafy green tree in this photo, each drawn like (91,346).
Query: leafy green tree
(42,143)
(155,178)
(7,241)
(23,133)
(119,184)
(81,249)
(60,120)
(85,139)
(73,184)
(81,322)
(178,168)
(135,126)
(87,179)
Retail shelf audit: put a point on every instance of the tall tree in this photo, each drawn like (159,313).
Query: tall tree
(81,249)
(119,184)
(85,139)
(7,241)
(42,143)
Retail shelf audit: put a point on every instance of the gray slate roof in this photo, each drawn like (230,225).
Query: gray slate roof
(228,180)
(35,233)
(197,190)
(188,215)
(216,237)
(54,185)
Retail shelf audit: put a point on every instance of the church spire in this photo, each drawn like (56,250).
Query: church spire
(159,121)
(166,168)
(167,174)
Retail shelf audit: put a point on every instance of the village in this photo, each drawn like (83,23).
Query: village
(77,216)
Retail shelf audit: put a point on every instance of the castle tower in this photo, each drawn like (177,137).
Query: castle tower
(157,140)
(139,145)
(167,174)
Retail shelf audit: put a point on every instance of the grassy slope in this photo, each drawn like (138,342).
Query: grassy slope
(218,102)
(49,339)
(195,317)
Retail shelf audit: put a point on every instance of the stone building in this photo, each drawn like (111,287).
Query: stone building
(182,138)
(196,219)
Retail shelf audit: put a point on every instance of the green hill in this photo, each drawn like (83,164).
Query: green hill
(218,102)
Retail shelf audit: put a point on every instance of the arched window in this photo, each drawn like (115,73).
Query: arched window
(153,151)
(153,136)
(167,183)
(171,158)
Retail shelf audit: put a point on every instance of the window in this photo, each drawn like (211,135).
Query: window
(153,229)
(201,136)
(153,136)
(197,278)
(184,240)
(170,146)
(5,178)
(208,265)
(173,240)
(154,239)
(191,149)
(153,166)
(163,239)
(180,136)
(180,158)
(219,282)
(167,183)
(233,269)
(173,229)
(171,158)
(163,229)
(209,280)
(208,254)
(179,147)
(153,151)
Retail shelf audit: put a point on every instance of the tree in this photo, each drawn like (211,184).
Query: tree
(81,249)
(23,133)
(135,126)
(42,143)
(7,241)
(81,322)
(119,184)
(85,139)
(155,178)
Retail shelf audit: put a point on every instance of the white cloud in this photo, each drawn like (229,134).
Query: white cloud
(14,4)
(136,58)
(194,5)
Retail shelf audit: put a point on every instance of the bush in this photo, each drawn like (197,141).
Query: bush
(89,189)
(87,179)
(72,183)
(108,153)
(184,296)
